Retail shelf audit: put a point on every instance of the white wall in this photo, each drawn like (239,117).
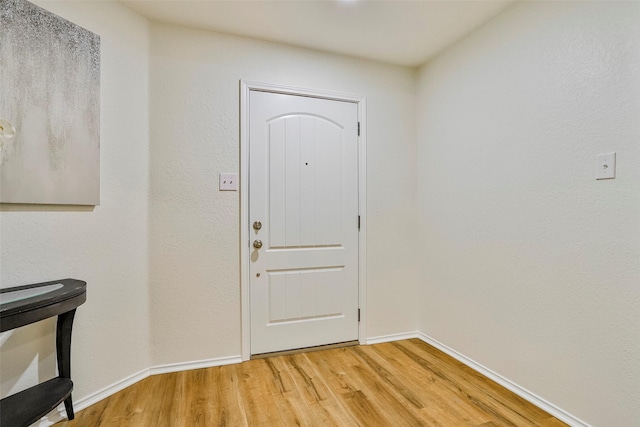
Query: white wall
(531,266)
(107,246)
(524,262)
(194,113)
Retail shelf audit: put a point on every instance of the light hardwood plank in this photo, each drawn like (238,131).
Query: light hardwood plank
(404,383)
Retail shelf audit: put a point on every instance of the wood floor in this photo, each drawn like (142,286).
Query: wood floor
(404,383)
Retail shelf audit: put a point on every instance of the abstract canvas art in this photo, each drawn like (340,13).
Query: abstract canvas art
(49,108)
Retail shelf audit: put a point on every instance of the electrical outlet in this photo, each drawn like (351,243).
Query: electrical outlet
(606,166)
(228,182)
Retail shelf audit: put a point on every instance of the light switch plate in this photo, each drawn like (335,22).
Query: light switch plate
(228,182)
(606,166)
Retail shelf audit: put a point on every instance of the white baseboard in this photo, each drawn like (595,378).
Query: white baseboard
(199,364)
(59,414)
(393,337)
(536,400)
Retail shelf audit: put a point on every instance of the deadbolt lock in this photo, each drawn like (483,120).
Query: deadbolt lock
(257,225)
(257,244)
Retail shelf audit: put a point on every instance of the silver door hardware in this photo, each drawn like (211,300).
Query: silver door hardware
(257,225)
(257,244)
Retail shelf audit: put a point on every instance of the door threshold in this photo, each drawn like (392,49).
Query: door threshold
(305,350)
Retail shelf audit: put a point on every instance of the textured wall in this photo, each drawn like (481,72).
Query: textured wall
(107,245)
(195,288)
(531,266)
(525,263)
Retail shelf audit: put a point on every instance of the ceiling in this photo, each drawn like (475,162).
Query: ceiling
(400,32)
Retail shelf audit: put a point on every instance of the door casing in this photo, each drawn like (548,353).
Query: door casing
(245,88)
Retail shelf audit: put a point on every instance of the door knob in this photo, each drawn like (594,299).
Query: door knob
(257,225)
(257,244)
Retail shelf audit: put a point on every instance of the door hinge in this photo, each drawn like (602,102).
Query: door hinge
(358,222)
(358,128)
(358,315)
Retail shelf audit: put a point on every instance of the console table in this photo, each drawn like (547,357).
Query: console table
(22,305)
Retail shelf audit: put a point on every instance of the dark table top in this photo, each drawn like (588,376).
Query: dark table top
(21,305)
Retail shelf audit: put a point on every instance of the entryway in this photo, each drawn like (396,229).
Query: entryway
(303,219)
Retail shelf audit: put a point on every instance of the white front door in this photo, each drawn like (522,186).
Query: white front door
(303,190)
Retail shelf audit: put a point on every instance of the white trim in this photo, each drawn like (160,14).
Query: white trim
(245,88)
(60,414)
(393,337)
(245,302)
(292,90)
(198,364)
(362,204)
(532,398)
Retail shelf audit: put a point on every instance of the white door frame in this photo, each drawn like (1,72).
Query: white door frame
(245,88)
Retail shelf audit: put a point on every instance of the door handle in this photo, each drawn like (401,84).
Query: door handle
(257,244)
(257,225)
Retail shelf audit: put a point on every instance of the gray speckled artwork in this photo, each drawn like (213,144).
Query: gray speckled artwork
(50,96)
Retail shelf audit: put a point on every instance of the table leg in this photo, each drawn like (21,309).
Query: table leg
(63,348)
